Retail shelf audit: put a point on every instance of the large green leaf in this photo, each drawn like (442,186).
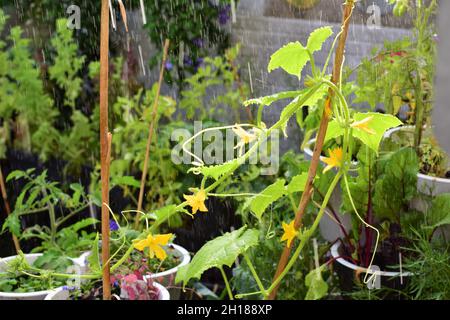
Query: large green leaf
(297,183)
(317,38)
(265,198)
(317,287)
(222,251)
(440,211)
(380,123)
(268,100)
(217,171)
(397,184)
(295,105)
(292,58)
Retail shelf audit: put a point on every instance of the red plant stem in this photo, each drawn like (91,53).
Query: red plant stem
(307,193)
(150,132)
(8,208)
(104,148)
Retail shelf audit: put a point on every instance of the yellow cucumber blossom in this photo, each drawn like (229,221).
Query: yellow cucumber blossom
(335,159)
(289,232)
(245,137)
(364,125)
(154,245)
(197,201)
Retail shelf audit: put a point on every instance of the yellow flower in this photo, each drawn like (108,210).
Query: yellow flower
(197,201)
(154,245)
(246,137)
(335,159)
(364,125)
(289,232)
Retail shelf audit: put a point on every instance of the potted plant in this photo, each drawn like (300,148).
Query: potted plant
(379,199)
(404,73)
(60,243)
(366,127)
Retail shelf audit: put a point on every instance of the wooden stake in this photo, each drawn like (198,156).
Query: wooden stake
(307,193)
(8,208)
(150,133)
(104,147)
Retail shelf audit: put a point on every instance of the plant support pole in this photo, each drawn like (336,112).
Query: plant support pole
(307,193)
(150,132)
(104,145)
(8,208)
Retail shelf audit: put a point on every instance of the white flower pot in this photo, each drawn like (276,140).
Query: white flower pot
(38,295)
(385,278)
(426,184)
(61,294)
(166,278)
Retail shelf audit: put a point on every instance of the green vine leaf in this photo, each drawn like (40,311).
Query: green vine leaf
(380,123)
(221,251)
(317,38)
(265,198)
(318,288)
(268,100)
(216,172)
(297,183)
(440,211)
(292,58)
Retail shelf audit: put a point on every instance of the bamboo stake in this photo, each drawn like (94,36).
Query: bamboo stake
(8,208)
(306,196)
(150,133)
(104,148)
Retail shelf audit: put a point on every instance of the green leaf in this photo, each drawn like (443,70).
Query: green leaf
(292,58)
(217,171)
(317,287)
(222,251)
(397,182)
(12,223)
(380,123)
(297,183)
(272,193)
(82,224)
(295,105)
(268,100)
(125,181)
(94,257)
(334,130)
(317,38)
(440,211)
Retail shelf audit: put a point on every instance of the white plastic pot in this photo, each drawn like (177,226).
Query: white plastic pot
(336,256)
(167,278)
(426,184)
(61,294)
(38,295)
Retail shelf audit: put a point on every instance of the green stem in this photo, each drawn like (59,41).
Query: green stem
(307,234)
(255,275)
(227,284)
(52,216)
(70,215)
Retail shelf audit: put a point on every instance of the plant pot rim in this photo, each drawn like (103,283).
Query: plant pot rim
(186,258)
(163,292)
(423,176)
(19,295)
(335,254)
